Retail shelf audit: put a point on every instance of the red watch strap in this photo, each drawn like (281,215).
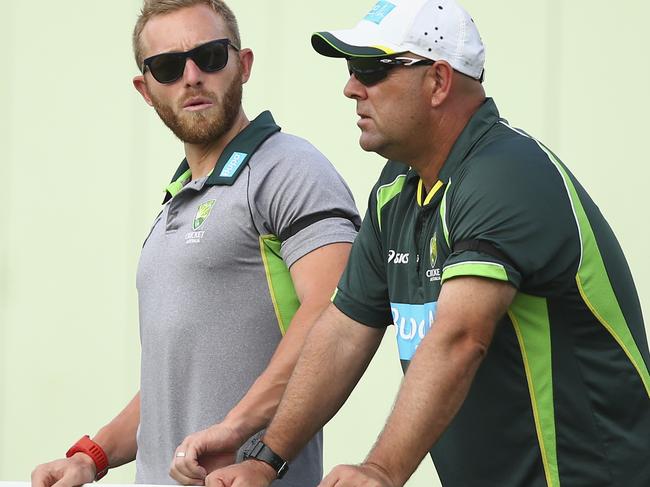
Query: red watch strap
(94,451)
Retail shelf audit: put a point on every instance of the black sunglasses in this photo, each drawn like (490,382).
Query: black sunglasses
(372,70)
(169,66)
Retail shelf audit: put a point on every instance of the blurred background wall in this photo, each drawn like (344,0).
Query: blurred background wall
(84,161)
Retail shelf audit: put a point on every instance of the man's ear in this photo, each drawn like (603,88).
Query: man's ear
(246,60)
(442,74)
(141,85)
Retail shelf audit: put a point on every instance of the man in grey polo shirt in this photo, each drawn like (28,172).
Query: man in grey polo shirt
(254,233)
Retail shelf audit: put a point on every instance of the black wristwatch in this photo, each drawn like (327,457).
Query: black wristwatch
(264,454)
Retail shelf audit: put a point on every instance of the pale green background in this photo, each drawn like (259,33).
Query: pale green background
(84,161)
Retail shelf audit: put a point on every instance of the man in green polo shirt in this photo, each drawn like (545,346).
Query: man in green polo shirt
(518,323)
(253,236)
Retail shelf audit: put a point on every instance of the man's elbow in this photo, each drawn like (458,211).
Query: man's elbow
(467,346)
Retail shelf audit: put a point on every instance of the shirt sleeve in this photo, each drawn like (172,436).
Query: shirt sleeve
(297,196)
(519,208)
(362,293)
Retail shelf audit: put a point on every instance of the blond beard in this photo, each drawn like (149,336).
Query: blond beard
(208,125)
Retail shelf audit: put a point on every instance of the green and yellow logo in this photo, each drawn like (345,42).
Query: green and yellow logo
(433,249)
(202,214)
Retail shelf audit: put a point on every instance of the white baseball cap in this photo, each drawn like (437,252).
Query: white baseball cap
(434,29)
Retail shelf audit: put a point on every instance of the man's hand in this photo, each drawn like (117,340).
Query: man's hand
(67,472)
(251,473)
(368,475)
(202,452)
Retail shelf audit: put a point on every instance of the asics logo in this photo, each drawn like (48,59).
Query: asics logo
(397,258)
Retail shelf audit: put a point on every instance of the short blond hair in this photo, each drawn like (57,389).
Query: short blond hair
(151,8)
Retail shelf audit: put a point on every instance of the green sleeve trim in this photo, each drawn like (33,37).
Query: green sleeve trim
(336,291)
(529,316)
(387,192)
(491,270)
(175,187)
(593,282)
(283,294)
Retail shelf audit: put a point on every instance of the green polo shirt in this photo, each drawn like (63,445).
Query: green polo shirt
(563,396)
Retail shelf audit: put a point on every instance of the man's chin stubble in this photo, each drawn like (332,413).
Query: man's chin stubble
(204,127)
(192,128)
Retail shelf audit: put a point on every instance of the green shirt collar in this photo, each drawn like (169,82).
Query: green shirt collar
(234,157)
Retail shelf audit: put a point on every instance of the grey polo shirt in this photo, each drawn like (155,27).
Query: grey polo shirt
(215,292)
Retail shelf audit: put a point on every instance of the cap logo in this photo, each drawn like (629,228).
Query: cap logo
(379,12)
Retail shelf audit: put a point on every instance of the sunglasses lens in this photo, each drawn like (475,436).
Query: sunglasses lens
(167,68)
(368,71)
(211,57)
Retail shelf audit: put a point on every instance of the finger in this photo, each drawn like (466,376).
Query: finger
(41,477)
(184,479)
(336,482)
(69,479)
(226,478)
(62,482)
(329,480)
(180,469)
(45,478)
(214,481)
(243,482)
(345,476)
(188,465)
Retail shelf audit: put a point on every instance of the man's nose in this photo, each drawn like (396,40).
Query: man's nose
(354,88)
(192,75)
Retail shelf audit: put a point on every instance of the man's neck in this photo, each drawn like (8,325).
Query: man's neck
(448,129)
(203,157)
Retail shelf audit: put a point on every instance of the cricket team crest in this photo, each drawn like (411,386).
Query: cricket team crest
(202,214)
(434,272)
(433,249)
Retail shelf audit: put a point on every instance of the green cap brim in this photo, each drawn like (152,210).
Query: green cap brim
(326,44)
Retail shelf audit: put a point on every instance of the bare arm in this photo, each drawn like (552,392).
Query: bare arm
(436,383)
(315,277)
(335,356)
(117,439)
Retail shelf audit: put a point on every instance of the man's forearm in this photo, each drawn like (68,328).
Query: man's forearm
(425,405)
(336,354)
(315,276)
(118,438)
(441,373)
(256,409)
